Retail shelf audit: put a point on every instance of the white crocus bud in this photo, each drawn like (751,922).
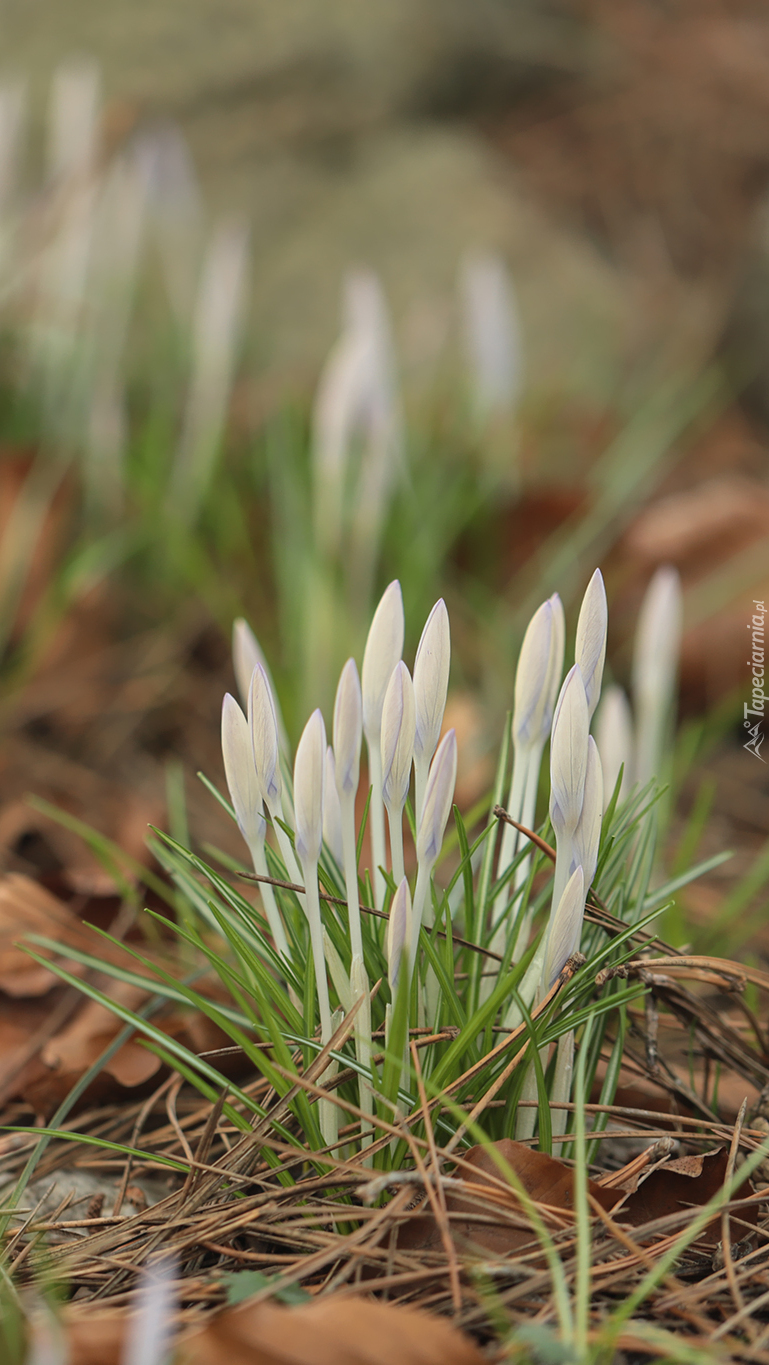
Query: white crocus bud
(565,928)
(614,737)
(332,811)
(398,725)
(246,654)
(590,645)
(431,682)
(398,933)
(587,835)
(439,795)
(348,729)
(568,755)
(384,647)
(655,663)
(246,798)
(240,771)
(264,738)
(309,776)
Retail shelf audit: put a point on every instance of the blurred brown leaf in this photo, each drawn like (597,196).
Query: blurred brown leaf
(331,1331)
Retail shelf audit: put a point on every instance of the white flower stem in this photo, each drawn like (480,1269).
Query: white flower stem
(395,823)
(259,860)
(377,823)
(350,851)
(327,1112)
(561,1092)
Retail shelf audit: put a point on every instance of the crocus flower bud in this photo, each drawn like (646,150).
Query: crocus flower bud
(332,811)
(383,650)
(431,680)
(439,795)
(590,647)
(655,661)
(348,729)
(565,929)
(398,932)
(241,773)
(492,334)
(614,737)
(587,835)
(246,654)
(398,723)
(538,674)
(309,772)
(264,737)
(568,755)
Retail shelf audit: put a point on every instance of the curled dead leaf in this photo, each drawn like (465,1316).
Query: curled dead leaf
(490,1217)
(687,1182)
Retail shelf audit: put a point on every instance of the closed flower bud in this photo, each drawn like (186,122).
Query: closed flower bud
(614,737)
(246,654)
(568,754)
(241,773)
(538,674)
(398,932)
(587,835)
(439,795)
(431,680)
(348,729)
(264,737)
(309,766)
(590,646)
(655,662)
(384,647)
(565,929)
(398,721)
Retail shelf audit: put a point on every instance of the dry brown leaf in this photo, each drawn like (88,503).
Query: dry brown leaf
(27,908)
(330,1331)
(686,1182)
(547,1180)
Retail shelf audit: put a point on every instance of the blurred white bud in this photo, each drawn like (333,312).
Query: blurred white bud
(348,729)
(384,647)
(538,674)
(655,664)
(439,796)
(149,1329)
(240,772)
(568,755)
(264,737)
(216,333)
(73,130)
(492,334)
(398,933)
(590,646)
(587,835)
(398,728)
(309,773)
(431,680)
(614,737)
(565,928)
(12,104)
(332,811)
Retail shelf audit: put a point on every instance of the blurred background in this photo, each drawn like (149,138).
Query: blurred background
(296,298)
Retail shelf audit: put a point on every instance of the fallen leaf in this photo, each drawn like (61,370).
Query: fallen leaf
(27,908)
(686,1182)
(547,1180)
(329,1331)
